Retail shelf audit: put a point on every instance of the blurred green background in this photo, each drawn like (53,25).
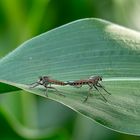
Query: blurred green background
(26,116)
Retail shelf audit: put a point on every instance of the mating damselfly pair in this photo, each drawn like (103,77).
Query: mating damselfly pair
(92,82)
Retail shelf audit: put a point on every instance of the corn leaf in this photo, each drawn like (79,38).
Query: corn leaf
(76,51)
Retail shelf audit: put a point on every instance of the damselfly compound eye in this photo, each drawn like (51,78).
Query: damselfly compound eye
(100,78)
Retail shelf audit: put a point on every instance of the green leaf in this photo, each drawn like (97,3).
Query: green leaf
(77,51)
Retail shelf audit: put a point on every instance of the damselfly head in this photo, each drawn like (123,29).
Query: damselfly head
(98,78)
(46,77)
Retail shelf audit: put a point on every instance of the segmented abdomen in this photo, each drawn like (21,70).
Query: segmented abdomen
(56,82)
(78,83)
